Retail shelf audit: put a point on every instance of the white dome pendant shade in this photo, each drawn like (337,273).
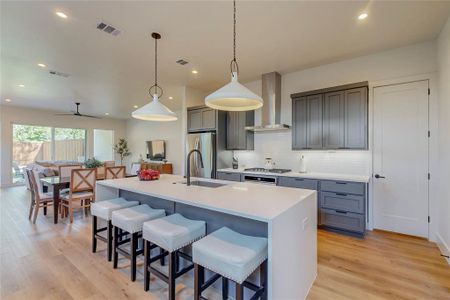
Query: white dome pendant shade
(154,111)
(234,97)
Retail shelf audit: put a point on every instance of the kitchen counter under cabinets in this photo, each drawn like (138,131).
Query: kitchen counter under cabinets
(342,198)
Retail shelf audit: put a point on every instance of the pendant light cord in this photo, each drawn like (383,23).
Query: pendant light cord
(156,62)
(156,36)
(234,65)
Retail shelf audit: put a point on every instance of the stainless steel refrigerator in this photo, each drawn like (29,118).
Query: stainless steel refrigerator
(205,142)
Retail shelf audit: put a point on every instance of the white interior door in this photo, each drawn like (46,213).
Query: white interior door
(400,155)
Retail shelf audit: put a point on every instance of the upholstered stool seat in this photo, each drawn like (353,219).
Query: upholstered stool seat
(103,210)
(231,255)
(131,220)
(171,233)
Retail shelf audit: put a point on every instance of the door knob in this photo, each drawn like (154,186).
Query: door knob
(379,176)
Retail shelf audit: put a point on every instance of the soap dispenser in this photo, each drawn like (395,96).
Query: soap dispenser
(302,164)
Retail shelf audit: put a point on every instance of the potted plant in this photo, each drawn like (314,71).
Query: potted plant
(121,148)
(93,163)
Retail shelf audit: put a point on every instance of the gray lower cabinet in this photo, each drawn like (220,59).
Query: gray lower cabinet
(301,183)
(238,138)
(333,120)
(342,220)
(203,118)
(342,202)
(230,176)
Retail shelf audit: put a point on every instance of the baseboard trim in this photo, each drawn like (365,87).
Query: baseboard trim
(445,249)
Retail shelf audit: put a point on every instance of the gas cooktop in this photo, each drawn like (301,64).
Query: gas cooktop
(262,170)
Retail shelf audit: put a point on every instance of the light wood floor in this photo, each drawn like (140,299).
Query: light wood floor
(47,261)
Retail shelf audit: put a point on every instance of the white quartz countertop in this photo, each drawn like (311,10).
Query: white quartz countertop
(251,200)
(311,175)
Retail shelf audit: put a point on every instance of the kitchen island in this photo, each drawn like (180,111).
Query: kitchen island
(286,216)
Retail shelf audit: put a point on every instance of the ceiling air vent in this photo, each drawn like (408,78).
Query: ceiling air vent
(61,74)
(182,62)
(108,28)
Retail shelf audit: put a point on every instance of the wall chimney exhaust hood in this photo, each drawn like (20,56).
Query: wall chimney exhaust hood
(271,110)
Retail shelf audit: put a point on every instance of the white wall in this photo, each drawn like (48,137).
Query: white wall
(19,115)
(103,144)
(396,63)
(444,139)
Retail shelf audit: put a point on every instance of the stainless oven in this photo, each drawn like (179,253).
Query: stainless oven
(261,178)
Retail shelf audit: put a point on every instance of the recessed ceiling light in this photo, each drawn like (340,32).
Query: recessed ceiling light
(170,98)
(363,16)
(135,106)
(42,65)
(194,72)
(8,100)
(61,14)
(106,114)
(21,85)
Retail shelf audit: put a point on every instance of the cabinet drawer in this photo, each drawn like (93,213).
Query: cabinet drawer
(229,176)
(342,220)
(343,202)
(346,187)
(301,183)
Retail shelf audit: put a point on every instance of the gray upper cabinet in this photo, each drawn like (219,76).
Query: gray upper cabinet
(333,120)
(201,119)
(299,123)
(238,138)
(356,112)
(314,116)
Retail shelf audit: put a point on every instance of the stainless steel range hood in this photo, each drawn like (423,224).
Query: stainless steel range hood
(271,110)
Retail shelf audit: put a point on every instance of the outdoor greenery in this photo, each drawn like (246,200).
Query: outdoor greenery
(93,163)
(29,133)
(121,148)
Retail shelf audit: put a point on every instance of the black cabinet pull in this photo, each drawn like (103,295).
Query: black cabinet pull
(299,179)
(341,194)
(337,182)
(341,212)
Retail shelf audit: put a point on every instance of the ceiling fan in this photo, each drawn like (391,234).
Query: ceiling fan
(77,113)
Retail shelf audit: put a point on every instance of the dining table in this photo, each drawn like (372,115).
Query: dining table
(60,183)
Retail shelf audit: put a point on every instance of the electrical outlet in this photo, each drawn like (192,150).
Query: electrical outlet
(305,223)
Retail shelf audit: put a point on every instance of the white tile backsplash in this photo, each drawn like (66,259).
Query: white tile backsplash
(277,145)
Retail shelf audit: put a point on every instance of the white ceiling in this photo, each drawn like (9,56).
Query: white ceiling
(111,74)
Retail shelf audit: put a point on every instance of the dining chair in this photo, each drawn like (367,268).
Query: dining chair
(109,163)
(115,172)
(65,170)
(82,188)
(39,198)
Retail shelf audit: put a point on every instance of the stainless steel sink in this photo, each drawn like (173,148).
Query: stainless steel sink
(209,184)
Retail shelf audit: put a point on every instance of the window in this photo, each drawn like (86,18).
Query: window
(40,143)
(103,144)
(70,144)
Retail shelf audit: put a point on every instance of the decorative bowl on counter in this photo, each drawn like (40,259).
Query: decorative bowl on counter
(147,175)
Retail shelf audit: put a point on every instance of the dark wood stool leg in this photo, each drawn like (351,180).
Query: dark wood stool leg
(198,281)
(239,292)
(172,273)
(109,239)
(115,242)
(263,279)
(134,242)
(45,209)
(162,260)
(94,232)
(224,288)
(146,265)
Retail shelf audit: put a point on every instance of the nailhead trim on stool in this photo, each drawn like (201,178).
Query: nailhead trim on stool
(170,233)
(131,220)
(231,255)
(103,210)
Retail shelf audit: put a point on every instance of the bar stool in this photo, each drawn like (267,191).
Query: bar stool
(103,210)
(230,255)
(170,233)
(131,220)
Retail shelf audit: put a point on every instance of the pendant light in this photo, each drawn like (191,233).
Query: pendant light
(234,96)
(155,110)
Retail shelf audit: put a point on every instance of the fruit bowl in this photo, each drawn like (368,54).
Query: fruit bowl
(147,175)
